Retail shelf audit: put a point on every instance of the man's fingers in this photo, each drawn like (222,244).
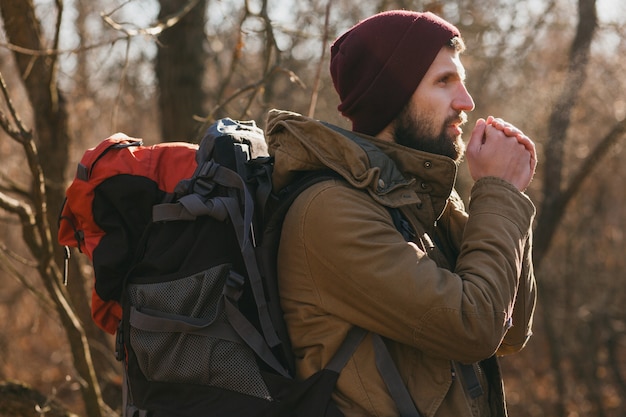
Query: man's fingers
(512,131)
(528,144)
(478,134)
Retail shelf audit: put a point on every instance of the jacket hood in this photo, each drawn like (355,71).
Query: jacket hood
(392,174)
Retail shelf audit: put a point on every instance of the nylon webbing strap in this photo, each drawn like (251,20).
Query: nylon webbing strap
(238,330)
(471,380)
(242,225)
(190,207)
(253,338)
(157,321)
(393,380)
(243,228)
(196,203)
(468,373)
(348,346)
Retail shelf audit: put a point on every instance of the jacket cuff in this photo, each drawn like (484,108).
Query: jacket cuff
(496,196)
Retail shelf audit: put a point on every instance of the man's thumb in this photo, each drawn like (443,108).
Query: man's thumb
(478,134)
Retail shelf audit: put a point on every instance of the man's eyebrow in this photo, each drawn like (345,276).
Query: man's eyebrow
(452,73)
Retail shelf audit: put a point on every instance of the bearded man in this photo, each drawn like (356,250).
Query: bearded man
(388,246)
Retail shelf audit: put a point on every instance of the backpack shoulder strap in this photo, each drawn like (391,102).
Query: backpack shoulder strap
(274,210)
(468,372)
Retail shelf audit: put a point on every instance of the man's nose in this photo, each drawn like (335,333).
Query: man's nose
(463,100)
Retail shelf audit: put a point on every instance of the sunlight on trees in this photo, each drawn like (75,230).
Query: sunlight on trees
(270,54)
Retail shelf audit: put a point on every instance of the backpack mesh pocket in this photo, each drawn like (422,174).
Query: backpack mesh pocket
(181,357)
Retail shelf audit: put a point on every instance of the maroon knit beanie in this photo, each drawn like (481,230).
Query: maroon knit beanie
(377,64)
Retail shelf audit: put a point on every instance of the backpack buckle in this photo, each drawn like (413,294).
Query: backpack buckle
(203,187)
(233,288)
(204,183)
(208,170)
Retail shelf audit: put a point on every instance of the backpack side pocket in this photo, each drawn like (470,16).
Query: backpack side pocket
(179,332)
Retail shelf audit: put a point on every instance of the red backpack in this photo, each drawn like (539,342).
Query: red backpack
(116,185)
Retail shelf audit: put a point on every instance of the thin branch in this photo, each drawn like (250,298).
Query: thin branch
(271,45)
(6,265)
(21,134)
(39,195)
(10,185)
(23,211)
(7,127)
(271,50)
(36,233)
(236,55)
(316,82)
(11,255)
(118,98)
(54,67)
(51,51)
(154,30)
(28,220)
(616,134)
(269,67)
(254,87)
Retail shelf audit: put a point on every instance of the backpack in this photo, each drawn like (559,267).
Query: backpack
(183,241)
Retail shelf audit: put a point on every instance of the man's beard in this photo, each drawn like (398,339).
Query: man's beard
(417,133)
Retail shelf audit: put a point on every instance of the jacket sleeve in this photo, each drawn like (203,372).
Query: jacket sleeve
(454,220)
(341,258)
(522,318)
(517,209)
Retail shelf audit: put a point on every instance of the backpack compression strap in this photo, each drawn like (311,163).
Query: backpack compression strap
(197,204)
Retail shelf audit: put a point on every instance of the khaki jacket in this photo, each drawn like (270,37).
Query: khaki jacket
(342,262)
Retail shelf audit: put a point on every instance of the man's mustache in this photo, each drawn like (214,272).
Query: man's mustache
(457,119)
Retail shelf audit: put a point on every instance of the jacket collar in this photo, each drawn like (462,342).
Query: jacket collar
(392,174)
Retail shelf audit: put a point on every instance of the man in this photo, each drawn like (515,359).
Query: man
(461,289)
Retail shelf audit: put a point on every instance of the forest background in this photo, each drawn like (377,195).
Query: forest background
(76,71)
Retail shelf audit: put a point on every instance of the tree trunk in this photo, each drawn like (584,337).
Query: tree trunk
(180,66)
(554,202)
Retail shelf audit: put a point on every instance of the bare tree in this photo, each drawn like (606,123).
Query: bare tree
(50,137)
(556,195)
(254,62)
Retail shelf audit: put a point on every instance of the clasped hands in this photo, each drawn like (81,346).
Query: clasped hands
(498,149)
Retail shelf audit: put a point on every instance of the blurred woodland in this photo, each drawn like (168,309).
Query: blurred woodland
(75,71)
